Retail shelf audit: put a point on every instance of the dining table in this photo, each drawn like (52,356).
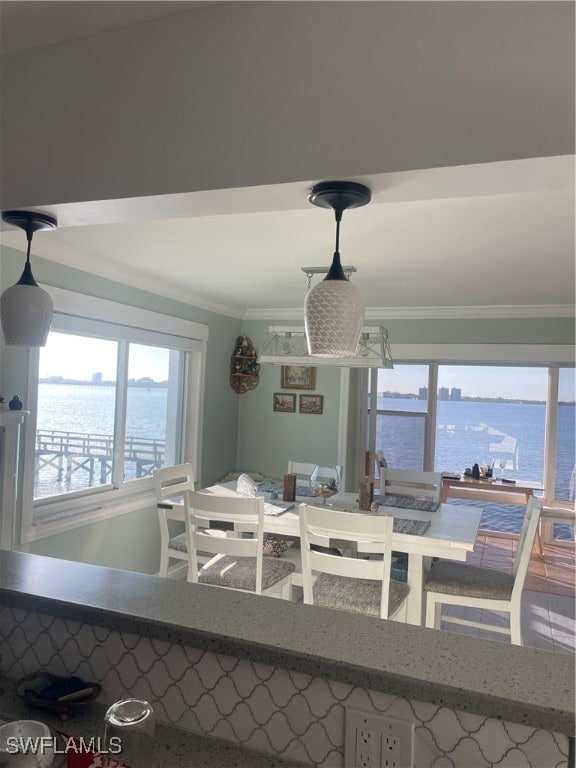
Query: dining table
(451,533)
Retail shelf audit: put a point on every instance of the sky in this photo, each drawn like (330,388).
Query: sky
(76,357)
(479,381)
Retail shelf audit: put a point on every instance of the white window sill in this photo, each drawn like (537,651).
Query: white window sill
(63,519)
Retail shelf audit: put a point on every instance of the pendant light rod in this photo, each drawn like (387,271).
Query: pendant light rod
(338,195)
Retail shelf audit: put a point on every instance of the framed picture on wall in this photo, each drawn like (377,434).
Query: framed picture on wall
(298,377)
(311,403)
(284,403)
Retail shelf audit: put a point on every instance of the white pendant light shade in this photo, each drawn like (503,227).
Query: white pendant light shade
(334,308)
(26,309)
(333,318)
(26,314)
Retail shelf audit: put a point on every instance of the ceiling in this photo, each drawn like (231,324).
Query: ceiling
(494,235)
(27,25)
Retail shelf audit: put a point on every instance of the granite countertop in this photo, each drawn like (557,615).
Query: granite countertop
(173,747)
(519,685)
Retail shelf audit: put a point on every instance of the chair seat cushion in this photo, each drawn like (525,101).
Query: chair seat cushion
(179,543)
(240,572)
(451,578)
(356,595)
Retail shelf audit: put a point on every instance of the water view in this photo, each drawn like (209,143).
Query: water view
(467,432)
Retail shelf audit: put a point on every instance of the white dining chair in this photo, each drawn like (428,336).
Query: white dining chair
(303,472)
(349,583)
(171,485)
(236,561)
(407,482)
(453,583)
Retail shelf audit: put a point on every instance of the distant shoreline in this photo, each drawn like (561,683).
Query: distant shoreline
(389,395)
(131,383)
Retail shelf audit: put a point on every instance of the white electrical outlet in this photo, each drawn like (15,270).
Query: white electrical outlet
(374,741)
(365,748)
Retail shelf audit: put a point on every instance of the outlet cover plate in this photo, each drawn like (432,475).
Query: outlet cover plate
(372,740)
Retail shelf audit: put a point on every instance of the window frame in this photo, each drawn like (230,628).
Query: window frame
(537,357)
(101,318)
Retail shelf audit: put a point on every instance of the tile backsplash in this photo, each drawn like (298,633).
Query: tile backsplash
(269,709)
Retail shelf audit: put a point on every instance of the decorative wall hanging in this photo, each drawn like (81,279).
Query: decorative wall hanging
(311,404)
(244,366)
(298,377)
(284,403)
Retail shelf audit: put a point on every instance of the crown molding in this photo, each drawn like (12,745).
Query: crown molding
(382,315)
(71,257)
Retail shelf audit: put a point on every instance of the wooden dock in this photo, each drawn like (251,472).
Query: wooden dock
(70,452)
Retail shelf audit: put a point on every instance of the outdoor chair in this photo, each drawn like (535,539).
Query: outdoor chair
(551,515)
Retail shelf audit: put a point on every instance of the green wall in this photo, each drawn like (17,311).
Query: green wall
(268,440)
(132,541)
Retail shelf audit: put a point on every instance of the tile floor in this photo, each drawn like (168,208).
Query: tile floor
(548,615)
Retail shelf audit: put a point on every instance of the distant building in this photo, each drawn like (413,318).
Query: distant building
(423,393)
(455,393)
(443,393)
(97,378)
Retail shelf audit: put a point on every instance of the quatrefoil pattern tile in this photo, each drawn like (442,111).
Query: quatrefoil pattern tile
(289,714)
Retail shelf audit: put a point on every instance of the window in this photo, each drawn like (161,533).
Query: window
(84,437)
(398,414)
(117,394)
(449,417)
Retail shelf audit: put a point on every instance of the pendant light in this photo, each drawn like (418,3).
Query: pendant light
(334,308)
(25,308)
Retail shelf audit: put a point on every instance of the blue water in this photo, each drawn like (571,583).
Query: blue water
(467,432)
(479,432)
(89,409)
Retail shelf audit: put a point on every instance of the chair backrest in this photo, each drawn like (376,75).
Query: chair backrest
(243,514)
(319,526)
(173,482)
(526,542)
(407,482)
(301,469)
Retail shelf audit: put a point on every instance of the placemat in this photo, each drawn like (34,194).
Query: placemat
(415,527)
(403,502)
(303,490)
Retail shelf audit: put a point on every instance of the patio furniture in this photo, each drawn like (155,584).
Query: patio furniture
(551,515)
(452,583)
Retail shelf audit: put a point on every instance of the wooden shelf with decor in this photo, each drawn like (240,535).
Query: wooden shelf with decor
(244,368)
